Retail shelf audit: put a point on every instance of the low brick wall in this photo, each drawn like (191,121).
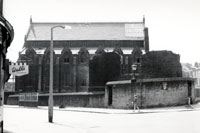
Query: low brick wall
(13,100)
(67,99)
(156,92)
(197,94)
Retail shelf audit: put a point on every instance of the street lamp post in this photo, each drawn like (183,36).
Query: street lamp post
(50,107)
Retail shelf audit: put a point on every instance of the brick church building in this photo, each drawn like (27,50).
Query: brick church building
(74,49)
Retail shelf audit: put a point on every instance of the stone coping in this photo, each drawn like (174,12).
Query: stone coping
(146,80)
(67,94)
(118,82)
(164,79)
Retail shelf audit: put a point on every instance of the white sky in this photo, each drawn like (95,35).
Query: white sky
(173,24)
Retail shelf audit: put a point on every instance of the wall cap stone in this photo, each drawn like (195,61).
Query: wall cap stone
(66,94)
(165,79)
(151,80)
(118,82)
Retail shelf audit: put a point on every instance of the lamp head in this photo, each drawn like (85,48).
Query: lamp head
(67,27)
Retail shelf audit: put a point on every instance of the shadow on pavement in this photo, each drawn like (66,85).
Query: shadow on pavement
(64,125)
(6,131)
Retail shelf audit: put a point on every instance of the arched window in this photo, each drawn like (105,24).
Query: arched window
(66,60)
(29,55)
(138,59)
(83,55)
(83,58)
(136,55)
(120,53)
(66,56)
(100,50)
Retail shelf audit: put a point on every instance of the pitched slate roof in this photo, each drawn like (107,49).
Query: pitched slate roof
(88,31)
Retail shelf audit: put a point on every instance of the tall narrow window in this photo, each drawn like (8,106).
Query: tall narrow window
(66,79)
(126,60)
(47,61)
(74,60)
(83,58)
(138,59)
(83,55)
(121,59)
(66,60)
(83,82)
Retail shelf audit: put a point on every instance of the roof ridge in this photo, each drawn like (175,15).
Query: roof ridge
(93,22)
(88,31)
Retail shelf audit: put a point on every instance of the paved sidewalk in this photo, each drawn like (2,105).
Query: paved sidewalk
(128,111)
(121,111)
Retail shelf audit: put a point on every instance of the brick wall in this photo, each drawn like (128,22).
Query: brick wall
(150,94)
(67,99)
(122,98)
(153,94)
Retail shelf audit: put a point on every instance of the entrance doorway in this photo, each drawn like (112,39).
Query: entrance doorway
(190,91)
(110,95)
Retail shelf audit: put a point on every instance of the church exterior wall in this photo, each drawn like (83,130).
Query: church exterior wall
(72,55)
(71,75)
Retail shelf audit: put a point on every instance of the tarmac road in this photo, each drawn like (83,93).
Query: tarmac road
(180,119)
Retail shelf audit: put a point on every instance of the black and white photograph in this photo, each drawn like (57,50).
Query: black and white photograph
(99,66)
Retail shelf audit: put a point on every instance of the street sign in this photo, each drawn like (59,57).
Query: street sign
(18,69)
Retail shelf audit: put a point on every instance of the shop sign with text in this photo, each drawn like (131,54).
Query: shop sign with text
(18,69)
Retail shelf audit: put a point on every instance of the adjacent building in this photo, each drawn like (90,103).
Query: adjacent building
(192,71)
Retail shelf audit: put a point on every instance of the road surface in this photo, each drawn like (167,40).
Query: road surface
(75,120)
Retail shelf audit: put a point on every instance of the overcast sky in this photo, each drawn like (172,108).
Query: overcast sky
(173,24)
